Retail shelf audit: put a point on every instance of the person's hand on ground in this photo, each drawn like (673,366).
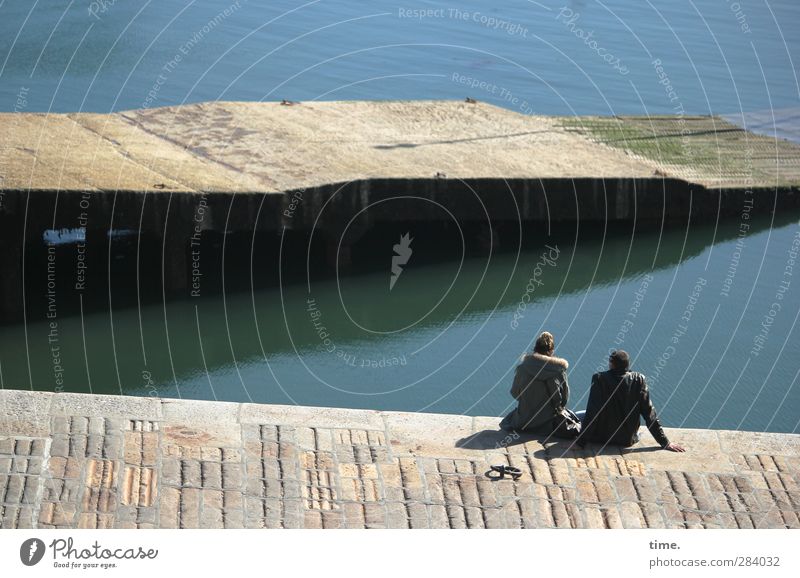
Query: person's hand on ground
(674,448)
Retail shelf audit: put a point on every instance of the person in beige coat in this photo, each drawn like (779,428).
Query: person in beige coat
(542,393)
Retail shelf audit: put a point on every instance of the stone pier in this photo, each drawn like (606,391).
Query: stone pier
(91,461)
(329,172)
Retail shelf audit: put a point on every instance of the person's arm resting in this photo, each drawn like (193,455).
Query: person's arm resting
(651,418)
(564,390)
(520,383)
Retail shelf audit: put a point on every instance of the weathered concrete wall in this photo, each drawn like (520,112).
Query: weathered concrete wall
(86,461)
(163,226)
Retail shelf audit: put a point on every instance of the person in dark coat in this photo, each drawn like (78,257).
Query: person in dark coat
(617,399)
(542,392)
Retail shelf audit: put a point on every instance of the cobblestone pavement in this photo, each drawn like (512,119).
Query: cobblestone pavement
(82,461)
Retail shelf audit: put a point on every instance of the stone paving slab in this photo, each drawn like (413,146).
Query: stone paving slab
(91,461)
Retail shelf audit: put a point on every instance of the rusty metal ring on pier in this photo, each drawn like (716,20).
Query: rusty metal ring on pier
(515,473)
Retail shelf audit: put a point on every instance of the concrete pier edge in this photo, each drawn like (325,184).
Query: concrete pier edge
(80,460)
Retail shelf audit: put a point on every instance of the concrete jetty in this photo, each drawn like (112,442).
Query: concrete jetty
(91,461)
(267,147)
(324,174)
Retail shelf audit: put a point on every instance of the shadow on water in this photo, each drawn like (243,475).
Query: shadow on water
(156,348)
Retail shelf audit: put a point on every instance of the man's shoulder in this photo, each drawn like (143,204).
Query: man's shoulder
(614,376)
(638,378)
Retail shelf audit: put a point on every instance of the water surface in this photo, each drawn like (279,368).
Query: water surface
(708,315)
(720,57)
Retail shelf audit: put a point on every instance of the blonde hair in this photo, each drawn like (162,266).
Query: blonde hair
(545,343)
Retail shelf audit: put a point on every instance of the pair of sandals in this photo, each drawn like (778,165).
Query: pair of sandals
(504,470)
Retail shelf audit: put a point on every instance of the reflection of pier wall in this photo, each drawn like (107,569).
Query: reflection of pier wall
(168,238)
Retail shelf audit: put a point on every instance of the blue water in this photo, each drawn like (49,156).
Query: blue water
(710,317)
(107,55)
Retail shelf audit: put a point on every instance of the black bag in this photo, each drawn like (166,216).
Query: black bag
(567,425)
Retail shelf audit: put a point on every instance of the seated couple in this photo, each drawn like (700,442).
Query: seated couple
(617,399)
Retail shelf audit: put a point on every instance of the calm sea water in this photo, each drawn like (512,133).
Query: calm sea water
(720,56)
(709,317)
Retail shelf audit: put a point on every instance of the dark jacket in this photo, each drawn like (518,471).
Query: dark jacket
(541,390)
(616,400)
